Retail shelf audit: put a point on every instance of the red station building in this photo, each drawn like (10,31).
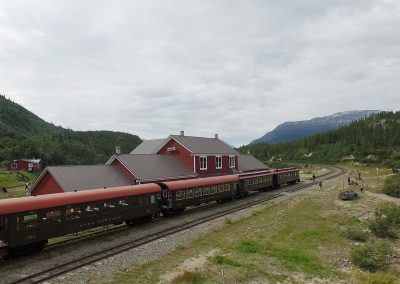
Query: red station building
(174,158)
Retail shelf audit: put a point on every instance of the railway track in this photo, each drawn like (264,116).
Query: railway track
(103,231)
(95,257)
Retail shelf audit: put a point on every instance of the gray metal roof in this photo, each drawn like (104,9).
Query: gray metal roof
(72,178)
(155,167)
(147,146)
(250,163)
(202,145)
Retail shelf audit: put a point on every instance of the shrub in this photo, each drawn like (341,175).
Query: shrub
(386,219)
(392,186)
(391,212)
(375,278)
(371,256)
(190,277)
(356,233)
(382,228)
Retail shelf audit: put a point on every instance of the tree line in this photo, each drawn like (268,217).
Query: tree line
(25,135)
(375,139)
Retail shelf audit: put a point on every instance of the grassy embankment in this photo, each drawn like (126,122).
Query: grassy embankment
(299,240)
(15,186)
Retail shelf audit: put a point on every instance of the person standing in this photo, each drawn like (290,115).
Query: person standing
(320,185)
(362,188)
(348,180)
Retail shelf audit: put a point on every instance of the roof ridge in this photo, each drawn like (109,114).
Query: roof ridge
(195,137)
(72,166)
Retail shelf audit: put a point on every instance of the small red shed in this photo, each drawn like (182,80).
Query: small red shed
(33,165)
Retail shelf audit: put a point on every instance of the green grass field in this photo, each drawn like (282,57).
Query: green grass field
(300,240)
(15,186)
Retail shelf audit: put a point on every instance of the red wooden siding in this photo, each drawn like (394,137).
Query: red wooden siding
(121,167)
(211,169)
(180,152)
(47,185)
(23,166)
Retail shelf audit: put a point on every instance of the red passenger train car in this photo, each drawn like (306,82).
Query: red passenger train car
(27,223)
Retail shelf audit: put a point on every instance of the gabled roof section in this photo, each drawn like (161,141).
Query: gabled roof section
(147,146)
(250,163)
(71,178)
(155,167)
(202,145)
(28,160)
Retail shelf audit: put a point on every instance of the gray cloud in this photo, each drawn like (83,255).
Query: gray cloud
(237,68)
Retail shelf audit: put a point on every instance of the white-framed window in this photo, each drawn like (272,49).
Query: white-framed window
(218,162)
(203,162)
(14,166)
(231,161)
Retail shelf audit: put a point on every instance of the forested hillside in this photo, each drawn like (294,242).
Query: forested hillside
(25,135)
(372,140)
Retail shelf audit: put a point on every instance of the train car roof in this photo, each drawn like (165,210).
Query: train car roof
(286,170)
(255,174)
(30,203)
(197,182)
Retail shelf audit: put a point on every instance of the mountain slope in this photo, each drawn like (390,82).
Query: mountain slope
(25,135)
(375,139)
(293,130)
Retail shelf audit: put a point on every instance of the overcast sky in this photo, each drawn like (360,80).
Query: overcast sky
(237,68)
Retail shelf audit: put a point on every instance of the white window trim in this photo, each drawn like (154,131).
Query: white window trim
(234,161)
(14,166)
(216,165)
(200,167)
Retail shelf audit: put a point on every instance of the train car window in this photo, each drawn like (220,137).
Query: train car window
(53,216)
(123,203)
(206,190)
(136,201)
(227,187)
(189,193)
(197,192)
(92,209)
(109,205)
(255,180)
(180,194)
(220,188)
(246,182)
(27,221)
(251,181)
(152,199)
(213,189)
(72,213)
(264,179)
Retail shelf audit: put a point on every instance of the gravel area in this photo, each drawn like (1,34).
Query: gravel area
(104,270)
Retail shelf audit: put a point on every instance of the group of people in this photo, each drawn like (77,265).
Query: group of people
(351,182)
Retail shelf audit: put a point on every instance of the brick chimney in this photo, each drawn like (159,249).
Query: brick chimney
(182,133)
